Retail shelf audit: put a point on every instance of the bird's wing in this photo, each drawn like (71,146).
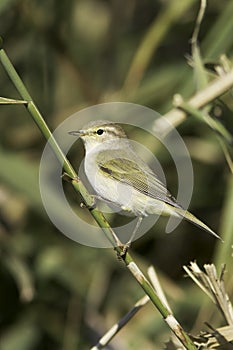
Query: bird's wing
(145,181)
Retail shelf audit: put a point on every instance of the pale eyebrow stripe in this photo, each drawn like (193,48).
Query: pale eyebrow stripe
(113,131)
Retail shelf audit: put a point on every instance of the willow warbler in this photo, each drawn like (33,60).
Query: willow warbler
(119,176)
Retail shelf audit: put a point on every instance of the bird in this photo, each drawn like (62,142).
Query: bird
(119,176)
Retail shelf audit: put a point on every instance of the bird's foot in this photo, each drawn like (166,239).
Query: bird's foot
(91,206)
(124,249)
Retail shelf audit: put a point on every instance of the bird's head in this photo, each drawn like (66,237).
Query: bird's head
(98,132)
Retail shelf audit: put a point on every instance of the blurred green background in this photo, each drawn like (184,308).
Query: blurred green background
(55,293)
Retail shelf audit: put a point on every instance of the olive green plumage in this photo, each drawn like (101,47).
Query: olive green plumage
(119,175)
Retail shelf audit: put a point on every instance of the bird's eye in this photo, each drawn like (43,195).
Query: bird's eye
(100,131)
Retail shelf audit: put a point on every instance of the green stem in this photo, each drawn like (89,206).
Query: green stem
(214,124)
(213,90)
(98,216)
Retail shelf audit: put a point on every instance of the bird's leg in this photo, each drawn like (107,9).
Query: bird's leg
(128,244)
(67,177)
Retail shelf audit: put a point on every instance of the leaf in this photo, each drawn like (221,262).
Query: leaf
(10,101)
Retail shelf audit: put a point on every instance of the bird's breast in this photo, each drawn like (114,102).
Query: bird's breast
(121,194)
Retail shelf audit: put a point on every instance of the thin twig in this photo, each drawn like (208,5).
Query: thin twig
(157,286)
(213,286)
(202,98)
(110,334)
(10,101)
(214,124)
(199,20)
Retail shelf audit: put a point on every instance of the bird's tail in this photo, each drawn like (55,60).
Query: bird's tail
(191,218)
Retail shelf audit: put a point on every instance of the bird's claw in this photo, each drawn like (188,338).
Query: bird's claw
(84,205)
(124,249)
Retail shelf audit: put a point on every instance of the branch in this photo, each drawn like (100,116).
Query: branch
(110,334)
(202,98)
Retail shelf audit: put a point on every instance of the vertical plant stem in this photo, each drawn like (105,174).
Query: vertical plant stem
(223,251)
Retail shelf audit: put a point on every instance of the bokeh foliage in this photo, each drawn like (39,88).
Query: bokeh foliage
(54,293)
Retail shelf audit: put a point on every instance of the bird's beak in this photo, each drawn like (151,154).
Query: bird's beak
(77,133)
